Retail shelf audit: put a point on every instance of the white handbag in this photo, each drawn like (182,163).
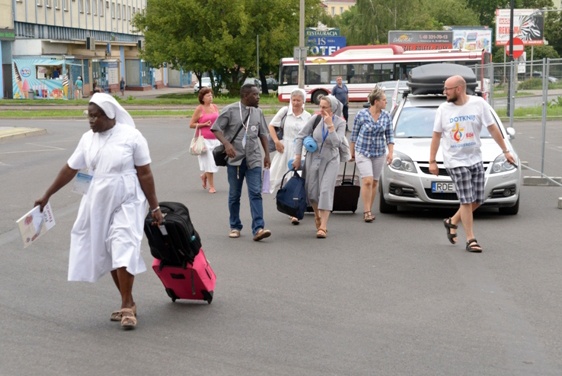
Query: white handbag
(197,146)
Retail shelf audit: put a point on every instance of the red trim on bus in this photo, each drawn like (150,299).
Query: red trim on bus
(395,48)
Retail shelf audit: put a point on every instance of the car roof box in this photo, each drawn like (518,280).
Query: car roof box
(430,78)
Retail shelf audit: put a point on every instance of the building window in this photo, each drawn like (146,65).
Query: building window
(39,3)
(88,6)
(101,8)
(129,12)
(333,11)
(57,4)
(81,6)
(118,12)
(113,10)
(124,12)
(48,3)
(64,5)
(341,10)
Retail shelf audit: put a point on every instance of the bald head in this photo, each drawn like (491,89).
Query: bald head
(455,90)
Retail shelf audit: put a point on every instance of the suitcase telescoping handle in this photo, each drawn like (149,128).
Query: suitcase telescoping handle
(344,167)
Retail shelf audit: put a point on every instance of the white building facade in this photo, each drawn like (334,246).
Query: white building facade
(55,42)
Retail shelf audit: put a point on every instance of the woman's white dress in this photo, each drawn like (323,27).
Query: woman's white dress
(280,163)
(108,231)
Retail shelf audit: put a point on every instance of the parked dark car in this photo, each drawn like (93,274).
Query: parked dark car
(272,83)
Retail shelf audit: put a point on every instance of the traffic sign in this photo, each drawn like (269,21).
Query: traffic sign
(518,48)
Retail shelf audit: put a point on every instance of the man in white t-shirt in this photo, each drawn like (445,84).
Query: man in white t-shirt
(457,127)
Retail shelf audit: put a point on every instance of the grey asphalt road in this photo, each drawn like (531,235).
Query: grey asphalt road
(391,297)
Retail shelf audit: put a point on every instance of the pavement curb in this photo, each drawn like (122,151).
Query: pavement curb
(20,132)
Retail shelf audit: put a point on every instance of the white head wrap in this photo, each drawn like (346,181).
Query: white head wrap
(300,92)
(112,108)
(337,106)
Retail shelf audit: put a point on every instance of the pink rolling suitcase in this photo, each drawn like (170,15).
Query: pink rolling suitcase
(195,282)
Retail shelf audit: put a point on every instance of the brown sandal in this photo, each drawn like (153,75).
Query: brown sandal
(322,233)
(116,316)
(128,319)
(368,217)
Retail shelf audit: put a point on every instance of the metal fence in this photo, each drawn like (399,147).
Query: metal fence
(536,86)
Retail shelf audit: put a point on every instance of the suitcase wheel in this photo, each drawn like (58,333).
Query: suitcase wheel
(207,296)
(172,295)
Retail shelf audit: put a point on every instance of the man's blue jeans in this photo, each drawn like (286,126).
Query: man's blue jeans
(236,175)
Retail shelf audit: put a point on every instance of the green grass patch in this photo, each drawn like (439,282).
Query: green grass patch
(79,113)
(172,99)
(523,113)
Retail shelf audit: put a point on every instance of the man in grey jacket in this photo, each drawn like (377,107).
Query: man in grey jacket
(244,157)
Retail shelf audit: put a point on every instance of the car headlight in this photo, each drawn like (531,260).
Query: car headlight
(402,162)
(502,165)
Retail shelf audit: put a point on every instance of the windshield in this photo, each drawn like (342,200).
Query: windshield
(417,122)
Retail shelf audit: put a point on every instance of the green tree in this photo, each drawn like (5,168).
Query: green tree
(219,37)
(369,21)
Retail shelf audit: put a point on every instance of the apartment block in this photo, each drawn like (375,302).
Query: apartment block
(337,7)
(47,45)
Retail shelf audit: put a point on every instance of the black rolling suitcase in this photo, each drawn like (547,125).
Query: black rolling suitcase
(430,78)
(346,192)
(175,242)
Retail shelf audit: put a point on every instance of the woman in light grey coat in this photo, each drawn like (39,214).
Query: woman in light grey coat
(322,166)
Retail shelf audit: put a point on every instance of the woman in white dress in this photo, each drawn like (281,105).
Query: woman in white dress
(293,118)
(116,182)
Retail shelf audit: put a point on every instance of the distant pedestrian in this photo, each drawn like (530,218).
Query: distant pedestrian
(457,127)
(122,86)
(78,84)
(203,118)
(341,92)
(244,157)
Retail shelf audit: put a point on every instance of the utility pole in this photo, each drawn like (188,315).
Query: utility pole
(510,59)
(301,45)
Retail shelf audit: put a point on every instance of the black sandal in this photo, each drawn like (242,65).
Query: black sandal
(448,225)
(473,246)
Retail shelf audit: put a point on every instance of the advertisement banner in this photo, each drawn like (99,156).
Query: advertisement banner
(472,38)
(421,40)
(324,46)
(528,25)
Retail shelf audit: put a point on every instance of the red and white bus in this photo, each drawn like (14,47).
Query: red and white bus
(361,67)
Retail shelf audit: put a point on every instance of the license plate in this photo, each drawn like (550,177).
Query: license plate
(442,187)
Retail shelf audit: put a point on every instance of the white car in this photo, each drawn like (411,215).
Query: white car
(407,181)
(205,82)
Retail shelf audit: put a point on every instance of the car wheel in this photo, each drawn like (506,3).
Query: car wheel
(385,207)
(510,210)
(317,95)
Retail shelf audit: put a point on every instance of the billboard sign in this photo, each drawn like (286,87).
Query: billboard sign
(324,46)
(528,25)
(472,38)
(421,40)
(322,31)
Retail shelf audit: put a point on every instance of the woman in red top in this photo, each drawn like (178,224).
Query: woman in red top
(202,120)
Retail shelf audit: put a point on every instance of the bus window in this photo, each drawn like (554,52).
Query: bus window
(290,75)
(317,74)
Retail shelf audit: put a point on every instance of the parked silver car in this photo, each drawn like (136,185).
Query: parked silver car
(407,181)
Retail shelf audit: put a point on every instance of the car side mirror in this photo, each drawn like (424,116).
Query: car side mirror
(510,132)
